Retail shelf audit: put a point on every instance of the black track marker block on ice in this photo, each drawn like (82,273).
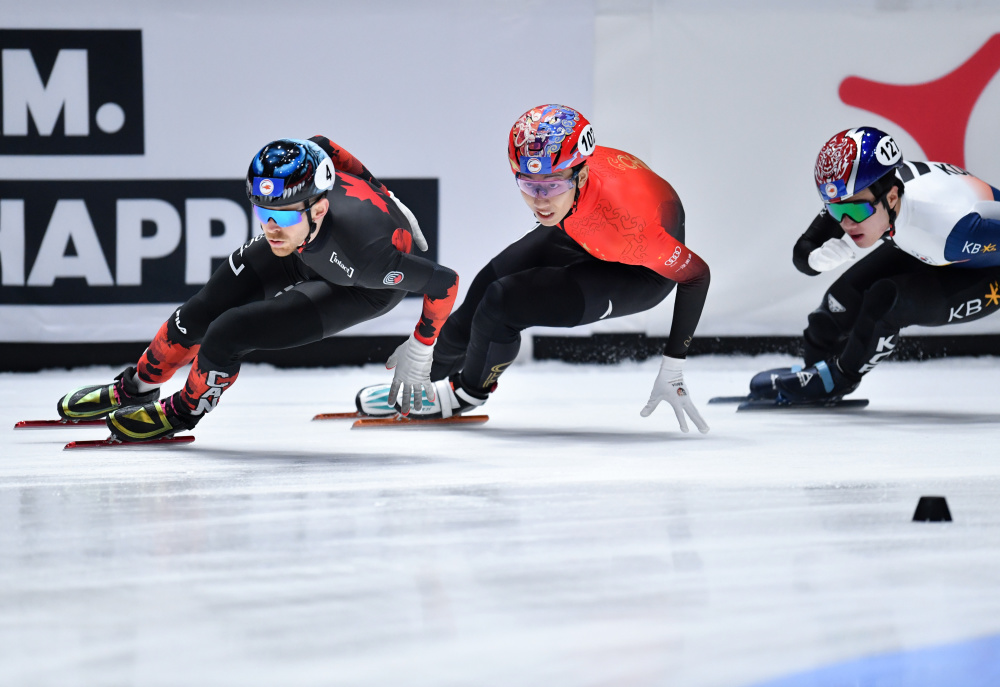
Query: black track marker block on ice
(932,509)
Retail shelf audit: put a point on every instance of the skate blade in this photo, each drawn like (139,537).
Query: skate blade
(400,421)
(114,443)
(730,399)
(773,404)
(352,415)
(55,424)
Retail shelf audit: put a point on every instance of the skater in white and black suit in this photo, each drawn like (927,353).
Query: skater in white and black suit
(939,262)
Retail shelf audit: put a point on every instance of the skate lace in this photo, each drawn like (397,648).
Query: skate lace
(169,408)
(176,416)
(119,392)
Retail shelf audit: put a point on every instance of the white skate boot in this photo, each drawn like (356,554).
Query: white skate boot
(450,399)
(374,401)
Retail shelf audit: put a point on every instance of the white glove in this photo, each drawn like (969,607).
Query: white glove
(418,236)
(831,255)
(412,361)
(669,387)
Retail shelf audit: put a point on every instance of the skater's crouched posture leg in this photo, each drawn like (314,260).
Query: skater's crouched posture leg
(583,291)
(309,312)
(909,293)
(832,376)
(170,350)
(177,341)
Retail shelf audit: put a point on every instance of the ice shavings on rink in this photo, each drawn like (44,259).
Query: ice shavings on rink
(567,541)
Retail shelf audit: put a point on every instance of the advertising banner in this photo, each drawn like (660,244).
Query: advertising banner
(731,103)
(122,156)
(127,129)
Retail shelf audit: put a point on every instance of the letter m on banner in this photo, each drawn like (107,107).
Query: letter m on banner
(71,92)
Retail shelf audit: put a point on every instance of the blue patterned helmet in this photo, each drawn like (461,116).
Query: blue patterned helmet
(289,171)
(853,160)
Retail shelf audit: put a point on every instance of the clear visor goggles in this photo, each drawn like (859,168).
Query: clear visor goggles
(283,218)
(546,188)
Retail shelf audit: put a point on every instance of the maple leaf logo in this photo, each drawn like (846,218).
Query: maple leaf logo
(356,188)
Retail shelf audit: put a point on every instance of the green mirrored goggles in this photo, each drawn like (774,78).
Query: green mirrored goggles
(859,212)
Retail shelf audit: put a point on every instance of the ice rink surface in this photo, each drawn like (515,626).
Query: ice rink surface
(566,542)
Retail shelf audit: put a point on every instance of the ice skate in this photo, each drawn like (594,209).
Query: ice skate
(815,384)
(155,420)
(97,401)
(373,401)
(450,399)
(763,384)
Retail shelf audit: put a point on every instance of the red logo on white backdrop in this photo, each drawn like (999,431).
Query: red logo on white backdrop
(936,113)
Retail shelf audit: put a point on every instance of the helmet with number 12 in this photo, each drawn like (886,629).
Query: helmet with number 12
(853,160)
(548,139)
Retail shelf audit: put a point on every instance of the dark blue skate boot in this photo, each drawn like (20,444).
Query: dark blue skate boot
(763,383)
(819,383)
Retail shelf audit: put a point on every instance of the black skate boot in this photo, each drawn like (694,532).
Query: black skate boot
(98,401)
(763,384)
(451,399)
(156,420)
(818,383)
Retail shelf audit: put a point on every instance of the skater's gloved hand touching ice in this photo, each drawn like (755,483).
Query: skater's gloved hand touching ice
(669,386)
(831,255)
(412,362)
